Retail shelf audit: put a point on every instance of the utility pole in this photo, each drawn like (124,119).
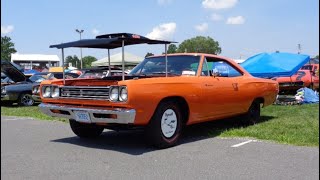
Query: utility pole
(299,48)
(80,31)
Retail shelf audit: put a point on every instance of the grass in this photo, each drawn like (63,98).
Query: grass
(296,125)
(32,111)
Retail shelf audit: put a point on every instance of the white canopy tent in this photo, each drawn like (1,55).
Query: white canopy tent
(116,60)
(28,61)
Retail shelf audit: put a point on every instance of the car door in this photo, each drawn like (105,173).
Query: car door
(222,88)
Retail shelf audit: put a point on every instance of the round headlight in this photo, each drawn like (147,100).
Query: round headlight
(55,92)
(123,94)
(34,90)
(114,94)
(3,90)
(47,91)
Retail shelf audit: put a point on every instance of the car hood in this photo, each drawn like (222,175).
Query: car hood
(13,71)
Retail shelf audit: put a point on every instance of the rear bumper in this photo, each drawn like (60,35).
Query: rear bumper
(115,115)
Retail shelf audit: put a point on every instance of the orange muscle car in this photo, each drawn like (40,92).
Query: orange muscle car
(162,94)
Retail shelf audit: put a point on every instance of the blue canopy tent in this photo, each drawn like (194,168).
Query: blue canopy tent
(268,65)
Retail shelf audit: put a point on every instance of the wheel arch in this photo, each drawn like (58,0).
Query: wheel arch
(260,100)
(182,103)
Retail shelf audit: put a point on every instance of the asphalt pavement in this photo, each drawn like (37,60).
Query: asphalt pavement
(36,149)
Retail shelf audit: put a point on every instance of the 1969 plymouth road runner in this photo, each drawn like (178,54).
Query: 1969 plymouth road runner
(162,94)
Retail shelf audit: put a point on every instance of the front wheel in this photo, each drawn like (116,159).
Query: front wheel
(165,126)
(85,130)
(25,100)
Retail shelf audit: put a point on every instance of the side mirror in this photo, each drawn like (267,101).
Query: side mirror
(214,73)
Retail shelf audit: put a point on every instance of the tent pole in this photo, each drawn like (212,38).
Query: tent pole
(123,60)
(64,80)
(109,61)
(166,57)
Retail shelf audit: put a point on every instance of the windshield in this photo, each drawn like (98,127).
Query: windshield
(177,65)
(100,73)
(38,77)
(6,80)
(306,67)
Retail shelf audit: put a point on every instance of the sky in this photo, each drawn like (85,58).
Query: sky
(243,28)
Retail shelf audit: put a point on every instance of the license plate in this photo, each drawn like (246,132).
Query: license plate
(82,116)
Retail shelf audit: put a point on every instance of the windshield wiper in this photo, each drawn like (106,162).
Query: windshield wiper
(170,73)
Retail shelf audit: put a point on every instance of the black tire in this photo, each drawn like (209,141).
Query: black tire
(85,130)
(159,132)
(25,100)
(253,114)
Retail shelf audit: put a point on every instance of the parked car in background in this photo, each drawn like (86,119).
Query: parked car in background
(306,77)
(100,72)
(21,91)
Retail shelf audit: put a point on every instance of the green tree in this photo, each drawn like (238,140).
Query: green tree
(200,44)
(73,60)
(149,54)
(172,49)
(87,60)
(7,48)
(316,57)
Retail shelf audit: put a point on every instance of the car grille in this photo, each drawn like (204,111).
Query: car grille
(285,84)
(85,92)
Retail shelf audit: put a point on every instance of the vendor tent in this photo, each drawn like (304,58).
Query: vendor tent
(116,60)
(268,65)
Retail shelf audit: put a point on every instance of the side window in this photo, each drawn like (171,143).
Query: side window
(222,68)
(205,69)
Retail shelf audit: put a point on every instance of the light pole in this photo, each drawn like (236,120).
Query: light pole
(80,31)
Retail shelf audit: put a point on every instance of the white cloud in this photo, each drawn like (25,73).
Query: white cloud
(202,27)
(95,32)
(236,20)
(162,2)
(216,17)
(219,4)
(6,29)
(163,31)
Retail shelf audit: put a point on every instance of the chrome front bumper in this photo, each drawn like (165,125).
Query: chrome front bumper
(115,115)
(36,98)
(5,97)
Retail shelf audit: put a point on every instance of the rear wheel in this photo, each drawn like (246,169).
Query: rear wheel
(85,130)
(165,126)
(25,100)
(253,114)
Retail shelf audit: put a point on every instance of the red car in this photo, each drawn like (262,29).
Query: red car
(307,76)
